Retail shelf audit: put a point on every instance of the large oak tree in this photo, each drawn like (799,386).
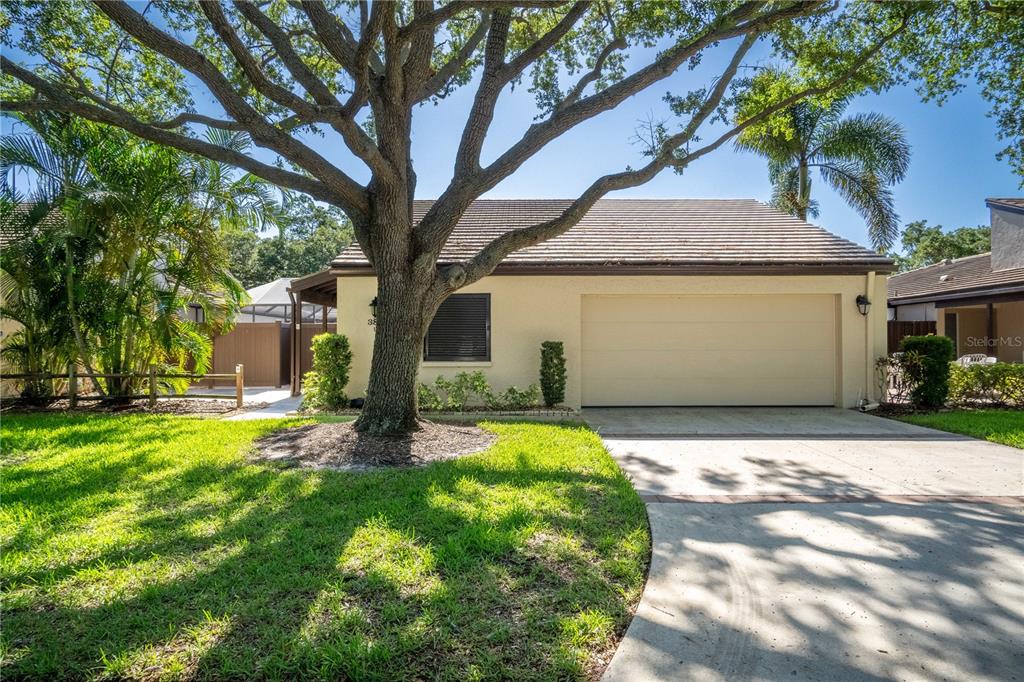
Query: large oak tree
(304,77)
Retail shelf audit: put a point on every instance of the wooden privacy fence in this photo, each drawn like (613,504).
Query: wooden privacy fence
(899,329)
(263,347)
(152,377)
(266,350)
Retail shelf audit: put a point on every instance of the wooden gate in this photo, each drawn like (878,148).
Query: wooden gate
(263,347)
(899,329)
(309,330)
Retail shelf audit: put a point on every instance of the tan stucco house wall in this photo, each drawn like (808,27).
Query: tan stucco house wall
(7,328)
(972,330)
(529,309)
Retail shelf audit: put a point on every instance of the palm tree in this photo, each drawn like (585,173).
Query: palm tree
(859,156)
(136,243)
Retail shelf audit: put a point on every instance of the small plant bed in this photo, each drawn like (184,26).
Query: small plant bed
(472,414)
(152,547)
(179,406)
(999,426)
(339,446)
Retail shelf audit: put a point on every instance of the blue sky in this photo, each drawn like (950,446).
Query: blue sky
(953,167)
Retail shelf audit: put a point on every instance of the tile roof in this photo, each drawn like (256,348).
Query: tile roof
(16,222)
(706,233)
(950,279)
(1010,202)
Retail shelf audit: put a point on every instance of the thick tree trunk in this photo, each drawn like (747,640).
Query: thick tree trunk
(391,400)
(408,294)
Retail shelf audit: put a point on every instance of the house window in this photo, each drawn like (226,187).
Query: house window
(461,329)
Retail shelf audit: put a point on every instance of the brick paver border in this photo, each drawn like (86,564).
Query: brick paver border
(1003,500)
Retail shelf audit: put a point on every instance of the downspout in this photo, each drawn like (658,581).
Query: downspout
(869,342)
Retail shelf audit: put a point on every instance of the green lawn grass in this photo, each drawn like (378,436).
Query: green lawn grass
(998,426)
(148,547)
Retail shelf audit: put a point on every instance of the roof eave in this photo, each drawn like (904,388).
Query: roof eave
(1003,206)
(694,268)
(970,293)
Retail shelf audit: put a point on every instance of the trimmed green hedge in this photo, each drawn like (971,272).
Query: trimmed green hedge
(1001,383)
(324,387)
(926,362)
(552,372)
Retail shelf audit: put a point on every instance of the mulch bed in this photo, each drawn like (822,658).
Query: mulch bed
(179,406)
(905,409)
(340,446)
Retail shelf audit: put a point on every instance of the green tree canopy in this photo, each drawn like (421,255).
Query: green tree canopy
(925,244)
(309,238)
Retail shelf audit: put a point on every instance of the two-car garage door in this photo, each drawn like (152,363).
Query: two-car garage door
(709,350)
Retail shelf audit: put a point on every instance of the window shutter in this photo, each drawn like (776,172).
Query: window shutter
(461,329)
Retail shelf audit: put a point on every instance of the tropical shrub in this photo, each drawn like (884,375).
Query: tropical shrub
(1001,383)
(115,240)
(513,399)
(457,393)
(472,388)
(428,399)
(929,370)
(552,372)
(324,386)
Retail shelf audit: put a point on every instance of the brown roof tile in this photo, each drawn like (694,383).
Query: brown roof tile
(1010,202)
(951,278)
(650,232)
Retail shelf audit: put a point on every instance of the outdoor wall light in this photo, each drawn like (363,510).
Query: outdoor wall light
(373,306)
(863,304)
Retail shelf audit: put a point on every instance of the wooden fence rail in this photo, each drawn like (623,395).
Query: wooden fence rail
(152,395)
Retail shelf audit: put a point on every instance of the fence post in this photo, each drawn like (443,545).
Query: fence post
(239,384)
(152,386)
(72,386)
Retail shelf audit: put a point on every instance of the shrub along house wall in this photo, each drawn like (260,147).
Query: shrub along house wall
(527,310)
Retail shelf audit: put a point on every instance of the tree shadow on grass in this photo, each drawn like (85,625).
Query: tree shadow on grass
(246,571)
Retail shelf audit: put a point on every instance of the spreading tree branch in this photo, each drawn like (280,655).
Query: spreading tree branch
(262,132)
(484,262)
(356,139)
(51,97)
(439,81)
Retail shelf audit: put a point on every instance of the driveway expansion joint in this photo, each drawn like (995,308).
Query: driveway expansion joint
(1002,500)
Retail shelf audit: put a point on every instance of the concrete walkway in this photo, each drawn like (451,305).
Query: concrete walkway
(278,409)
(821,544)
(279,401)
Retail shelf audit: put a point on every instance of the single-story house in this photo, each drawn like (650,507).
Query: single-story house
(977,301)
(658,302)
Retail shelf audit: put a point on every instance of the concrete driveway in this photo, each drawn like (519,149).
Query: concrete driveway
(821,544)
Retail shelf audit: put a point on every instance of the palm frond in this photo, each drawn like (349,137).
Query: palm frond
(872,140)
(863,190)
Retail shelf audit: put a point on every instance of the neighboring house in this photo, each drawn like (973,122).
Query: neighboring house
(7,328)
(977,301)
(658,302)
(271,302)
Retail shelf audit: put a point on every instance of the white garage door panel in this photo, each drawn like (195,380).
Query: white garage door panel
(709,350)
(675,336)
